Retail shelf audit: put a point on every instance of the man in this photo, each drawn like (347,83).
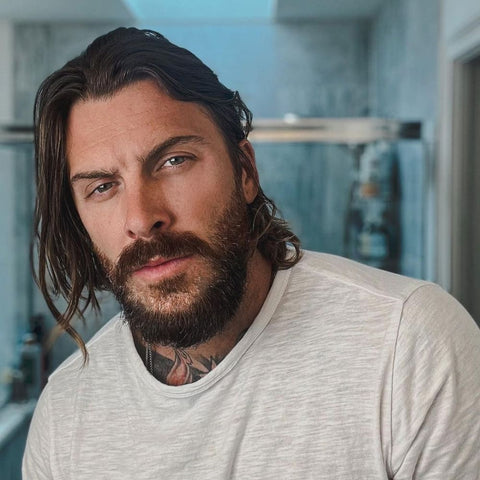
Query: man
(235,356)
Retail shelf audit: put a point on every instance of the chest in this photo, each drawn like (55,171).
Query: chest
(318,425)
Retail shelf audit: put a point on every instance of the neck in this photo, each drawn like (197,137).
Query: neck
(176,366)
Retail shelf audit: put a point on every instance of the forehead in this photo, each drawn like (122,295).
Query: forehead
(139,115)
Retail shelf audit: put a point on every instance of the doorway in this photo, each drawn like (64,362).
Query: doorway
(466,185)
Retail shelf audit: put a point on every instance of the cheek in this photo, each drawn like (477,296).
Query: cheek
(103,233)
(206,210)
(199,201)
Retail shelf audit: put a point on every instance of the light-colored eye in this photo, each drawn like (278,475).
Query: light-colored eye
(175,161)
(104,187)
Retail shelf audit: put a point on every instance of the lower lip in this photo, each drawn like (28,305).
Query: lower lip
(165,269)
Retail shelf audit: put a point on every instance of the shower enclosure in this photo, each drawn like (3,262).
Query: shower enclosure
(353,187)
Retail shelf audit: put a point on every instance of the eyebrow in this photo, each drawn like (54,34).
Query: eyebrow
(92,175)
(160,149)
(151,156)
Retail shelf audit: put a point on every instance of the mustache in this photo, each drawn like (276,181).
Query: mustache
(166,245)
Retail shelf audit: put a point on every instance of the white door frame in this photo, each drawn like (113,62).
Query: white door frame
(454,158)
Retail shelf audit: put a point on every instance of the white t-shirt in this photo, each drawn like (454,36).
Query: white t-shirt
(346,373)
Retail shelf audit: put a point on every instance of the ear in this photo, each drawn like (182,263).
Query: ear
(250,182)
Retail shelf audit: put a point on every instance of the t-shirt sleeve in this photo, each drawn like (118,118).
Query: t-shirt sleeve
(36,458)
(435,405)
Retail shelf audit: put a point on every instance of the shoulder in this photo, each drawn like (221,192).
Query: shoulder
(415,309)
(435,397)
(100,348)
(435,322)
(346,274)
(71,391)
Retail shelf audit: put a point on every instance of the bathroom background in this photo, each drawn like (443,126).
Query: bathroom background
(376,202)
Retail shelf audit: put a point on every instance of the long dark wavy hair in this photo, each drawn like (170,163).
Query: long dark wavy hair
(67,264)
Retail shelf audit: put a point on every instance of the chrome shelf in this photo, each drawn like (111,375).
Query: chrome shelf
(350,131)
(16,135)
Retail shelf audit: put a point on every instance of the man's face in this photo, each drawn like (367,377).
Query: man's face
(155,189)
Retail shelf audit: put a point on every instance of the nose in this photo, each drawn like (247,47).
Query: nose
(146,212)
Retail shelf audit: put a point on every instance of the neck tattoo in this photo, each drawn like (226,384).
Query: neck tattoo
(183,368)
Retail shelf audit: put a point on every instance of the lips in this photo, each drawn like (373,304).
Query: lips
(155,263)
(160,267)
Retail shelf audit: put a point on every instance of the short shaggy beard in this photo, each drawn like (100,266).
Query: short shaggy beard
(207,309)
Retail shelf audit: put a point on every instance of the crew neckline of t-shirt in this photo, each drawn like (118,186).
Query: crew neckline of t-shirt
(261,321)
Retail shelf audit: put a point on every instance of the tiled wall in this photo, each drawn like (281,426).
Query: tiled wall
(403,85)
(310,183)
(309,68)
(41,49)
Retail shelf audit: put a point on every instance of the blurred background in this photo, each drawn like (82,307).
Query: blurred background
(367,134)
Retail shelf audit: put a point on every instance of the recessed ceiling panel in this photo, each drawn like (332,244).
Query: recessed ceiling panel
(201,10)
(326,9)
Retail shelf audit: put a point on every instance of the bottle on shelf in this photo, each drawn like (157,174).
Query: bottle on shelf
(372,229)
